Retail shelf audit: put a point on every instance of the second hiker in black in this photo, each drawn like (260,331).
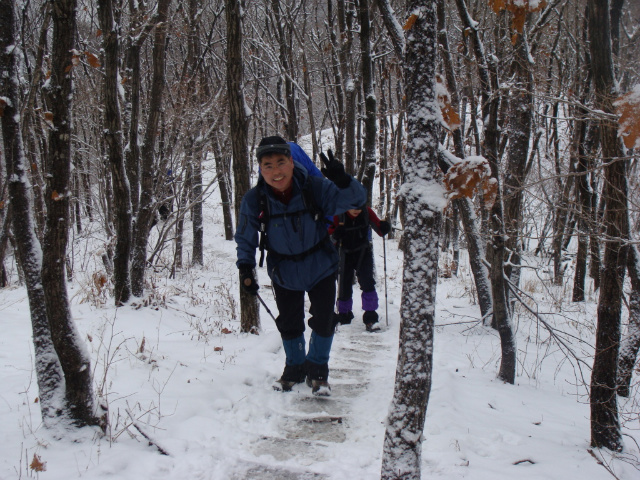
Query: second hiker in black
(351,233)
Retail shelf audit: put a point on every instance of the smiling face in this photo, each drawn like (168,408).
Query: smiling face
(277,170)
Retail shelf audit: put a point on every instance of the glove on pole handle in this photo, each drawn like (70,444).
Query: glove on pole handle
(265,306)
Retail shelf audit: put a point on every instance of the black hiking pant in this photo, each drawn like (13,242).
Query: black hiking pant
(290,320)
(359,263)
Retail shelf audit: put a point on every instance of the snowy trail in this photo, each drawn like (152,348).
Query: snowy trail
(319,434)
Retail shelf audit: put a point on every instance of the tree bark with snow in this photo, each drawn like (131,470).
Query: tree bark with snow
(114,141)
(49,373)
(370,102)
(605,425)
(631,342)
(149,171)
(249,315)
(74,358)
(465,207)
(422,217)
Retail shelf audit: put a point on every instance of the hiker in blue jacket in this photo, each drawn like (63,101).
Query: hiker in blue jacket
(288,206)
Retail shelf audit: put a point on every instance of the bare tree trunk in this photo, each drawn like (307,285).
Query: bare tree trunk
(224,184)
(284,45)
(132,89)
(249,315)
(370,120)
(394,29)
(338,77)
(402,448)
(73,356)
(49,373)
(113,138)
(345,17)
(148,170)
(197,256)
(631,342)
(464,206)
(605,425)
(583,200)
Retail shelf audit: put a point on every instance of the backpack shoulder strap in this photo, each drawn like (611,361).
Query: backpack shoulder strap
(309,198)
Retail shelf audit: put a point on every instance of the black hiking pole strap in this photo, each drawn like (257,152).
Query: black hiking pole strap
(265,305)
(386,304)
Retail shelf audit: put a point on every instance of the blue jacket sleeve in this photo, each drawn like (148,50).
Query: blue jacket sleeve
(246,236)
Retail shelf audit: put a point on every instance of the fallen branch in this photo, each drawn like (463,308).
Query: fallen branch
(151,441)
(601,462)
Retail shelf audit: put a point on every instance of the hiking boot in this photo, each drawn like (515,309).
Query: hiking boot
(372,327)
(292,375)
(320,388)
(342,318)
(370,320)
(317,379)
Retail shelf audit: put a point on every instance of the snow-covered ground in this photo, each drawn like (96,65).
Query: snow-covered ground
(177,366)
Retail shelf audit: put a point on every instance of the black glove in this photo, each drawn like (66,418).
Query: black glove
(339,233)
(334,170)
(247,280)
(385,227)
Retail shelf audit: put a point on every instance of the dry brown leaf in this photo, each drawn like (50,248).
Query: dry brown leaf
(449,114)
(3,104)
(1,204)
(98,33)
(92,59)
(37,464)
(497,5)
(226,331)
(465,177)
(55,196)
(628,107)
(519,16)
(451,117)
(217,349)
(519,9)
(48,116)
(410,22)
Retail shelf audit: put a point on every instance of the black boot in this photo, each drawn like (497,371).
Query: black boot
(342,318)
(292,375)
(370,319)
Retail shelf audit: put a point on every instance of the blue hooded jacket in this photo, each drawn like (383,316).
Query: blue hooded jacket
(296,231)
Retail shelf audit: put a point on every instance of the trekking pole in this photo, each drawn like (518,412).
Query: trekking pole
(265,305)
(386,303)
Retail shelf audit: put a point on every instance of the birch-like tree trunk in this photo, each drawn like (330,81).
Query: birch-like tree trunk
(422,217)
(49,373)
(73,356)
(605,424)
(239,127)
